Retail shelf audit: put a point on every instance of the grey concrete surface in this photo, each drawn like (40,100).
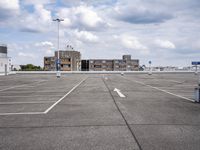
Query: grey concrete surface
(68,138)
(94,117)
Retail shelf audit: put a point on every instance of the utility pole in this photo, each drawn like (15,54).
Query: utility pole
(58,56)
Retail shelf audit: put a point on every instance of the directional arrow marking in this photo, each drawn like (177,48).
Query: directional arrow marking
(119,93)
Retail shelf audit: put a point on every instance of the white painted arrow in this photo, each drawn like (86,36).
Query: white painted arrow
(119,93)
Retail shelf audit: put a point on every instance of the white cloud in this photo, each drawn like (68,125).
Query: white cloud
(36,2)
(9,4)
(9,8)
(143,21)
(39,21)
(86,36)
(165,44)
(82,17)
(195,44)
(49,52)
(30,55)
(88,16)
(67,22)
(45,44)
(131,42)
(139,14)
(47,47)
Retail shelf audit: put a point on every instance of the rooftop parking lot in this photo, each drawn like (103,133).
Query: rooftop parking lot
(99,112)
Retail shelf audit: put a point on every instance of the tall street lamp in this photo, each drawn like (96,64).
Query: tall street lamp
(58,55)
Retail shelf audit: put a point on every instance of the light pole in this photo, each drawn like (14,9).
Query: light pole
(58,56)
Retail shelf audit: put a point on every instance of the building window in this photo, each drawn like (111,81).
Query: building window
(97,66)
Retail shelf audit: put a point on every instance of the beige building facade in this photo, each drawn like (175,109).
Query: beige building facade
(124,64)
(69,61)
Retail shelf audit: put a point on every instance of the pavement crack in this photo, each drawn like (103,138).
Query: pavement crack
(129,127)
(63,126)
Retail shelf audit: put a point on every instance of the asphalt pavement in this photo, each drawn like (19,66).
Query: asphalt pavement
(99,112)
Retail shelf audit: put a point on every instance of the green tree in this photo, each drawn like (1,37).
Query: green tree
(30,67)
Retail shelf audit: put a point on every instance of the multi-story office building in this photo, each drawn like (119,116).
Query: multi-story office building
(49,63)
(124,64)
(5,61)
(69,61)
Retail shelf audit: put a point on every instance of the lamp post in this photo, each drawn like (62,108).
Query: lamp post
(58,56)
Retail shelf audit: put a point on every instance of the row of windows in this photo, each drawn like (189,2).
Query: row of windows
(66,66)
(52,59)
(108,61)
(117,66)
(66,59)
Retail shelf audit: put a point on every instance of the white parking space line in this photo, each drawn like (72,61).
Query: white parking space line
(1,90)
(176,81)
(12,87)
(171,93)
(119,93)
(168,80)
(163,90)
(31,102)
(32,92)
(22,113)
(31,96)
(51,107)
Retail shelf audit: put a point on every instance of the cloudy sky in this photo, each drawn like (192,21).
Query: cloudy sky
(167,32)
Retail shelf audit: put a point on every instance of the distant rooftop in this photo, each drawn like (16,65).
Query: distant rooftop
(4,45)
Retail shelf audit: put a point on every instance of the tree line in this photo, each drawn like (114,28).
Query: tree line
(30,67)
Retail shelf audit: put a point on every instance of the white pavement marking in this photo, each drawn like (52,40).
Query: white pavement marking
(163,90)
(31,91)
(52,106)
(169,80)
(22,113)
(31,96)
(20,86)
(31,102)
(176,81)
(12,87)
(119,93)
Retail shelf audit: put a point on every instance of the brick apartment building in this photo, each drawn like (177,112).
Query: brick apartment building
(69,61)
(124,64)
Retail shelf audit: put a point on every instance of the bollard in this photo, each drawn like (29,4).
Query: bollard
(150,73)
(197,94)
(58,74)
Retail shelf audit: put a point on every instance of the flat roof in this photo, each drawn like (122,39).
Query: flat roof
(99,111)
